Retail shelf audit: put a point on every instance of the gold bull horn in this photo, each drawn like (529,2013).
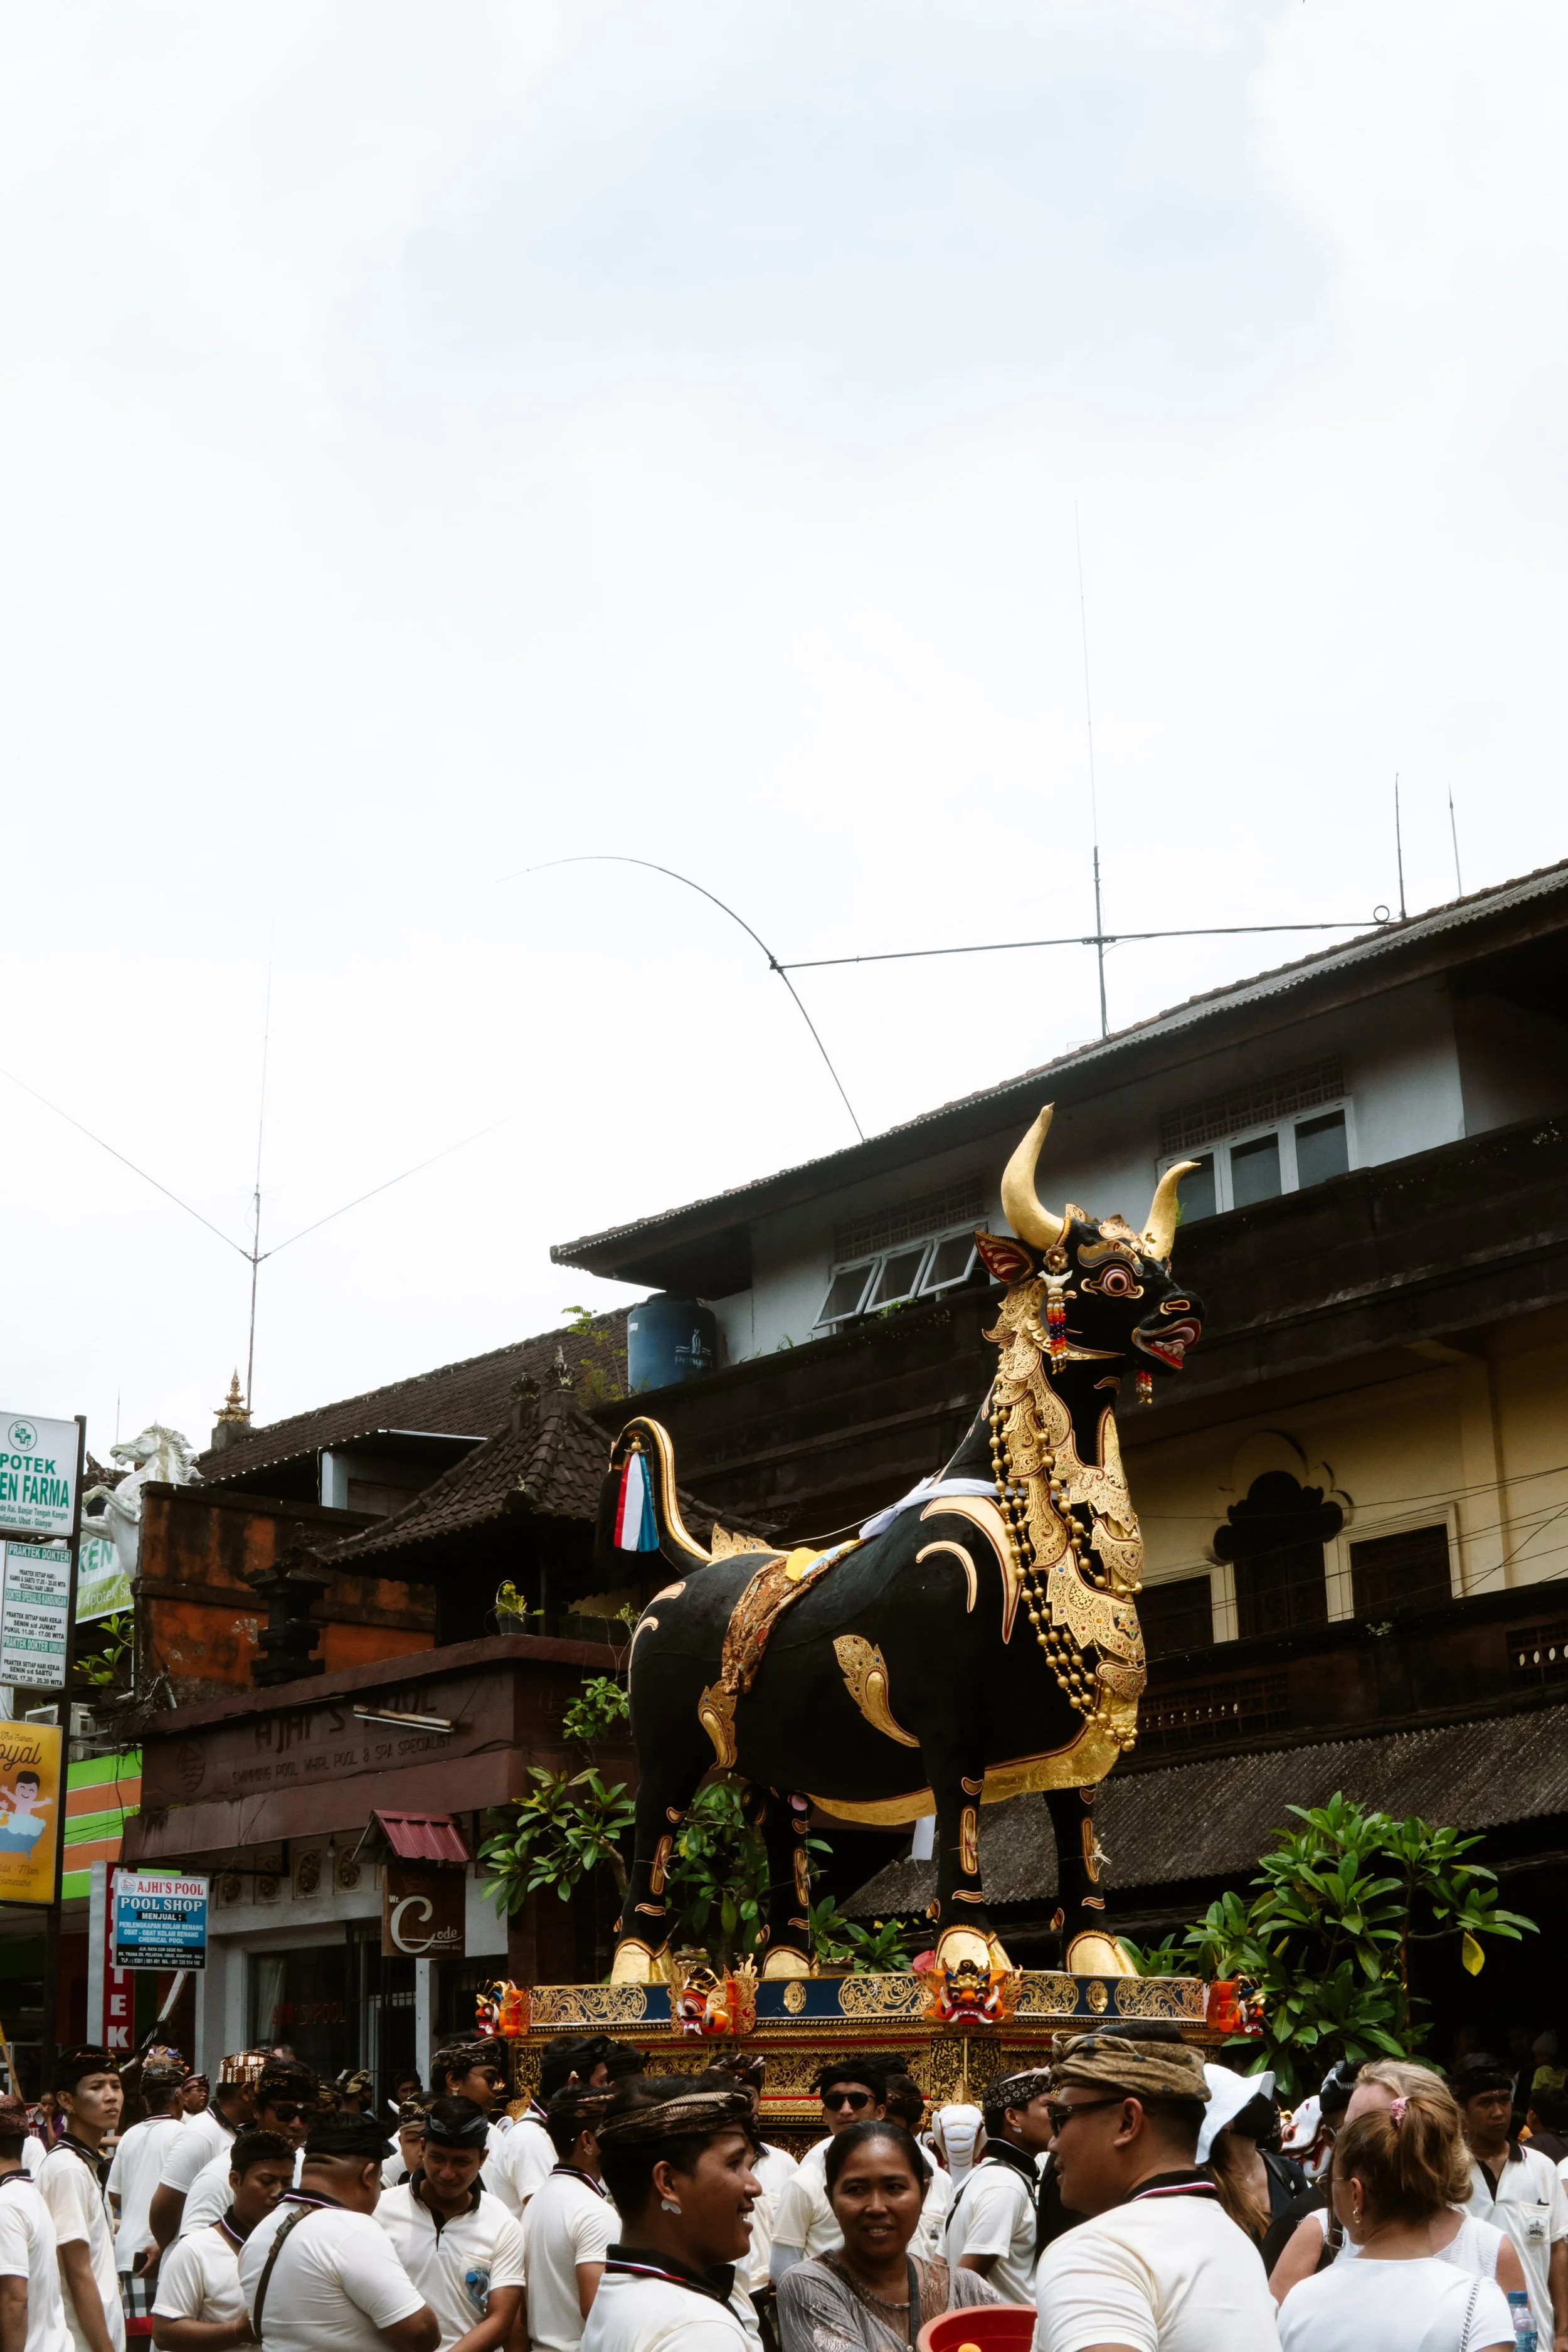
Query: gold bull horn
(1040,1227)
(1159,1234)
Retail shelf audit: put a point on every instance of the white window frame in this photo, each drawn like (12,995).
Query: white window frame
(1285,1128)
(873,1264)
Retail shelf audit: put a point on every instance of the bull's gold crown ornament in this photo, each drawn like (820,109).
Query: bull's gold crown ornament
(978,1640)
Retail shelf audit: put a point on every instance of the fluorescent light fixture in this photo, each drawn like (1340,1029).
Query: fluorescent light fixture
(403,1722)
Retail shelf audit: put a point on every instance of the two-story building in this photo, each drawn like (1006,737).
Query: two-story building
(1354,1498)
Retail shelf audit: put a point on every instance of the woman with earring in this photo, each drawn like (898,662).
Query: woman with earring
(870,2293)
(1393,2178)
(676,2156)
(1454,2236)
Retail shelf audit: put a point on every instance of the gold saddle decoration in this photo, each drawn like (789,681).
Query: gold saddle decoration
(780,1581)
(725,1545)
(865,1671)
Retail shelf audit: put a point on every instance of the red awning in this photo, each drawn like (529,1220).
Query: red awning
(416,1837)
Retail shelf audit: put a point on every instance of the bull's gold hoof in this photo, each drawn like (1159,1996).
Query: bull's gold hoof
(1093,1954)
(958,1948)
(785,1963)
(636,1964)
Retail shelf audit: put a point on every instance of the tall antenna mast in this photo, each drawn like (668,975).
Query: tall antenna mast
(1399,846)
(256,1194)
(1093,794)
(1453,836)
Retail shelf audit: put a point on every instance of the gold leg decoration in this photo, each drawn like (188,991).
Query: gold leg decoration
(636,1964)
(1092,1954)
(955,1946)
(783,1962)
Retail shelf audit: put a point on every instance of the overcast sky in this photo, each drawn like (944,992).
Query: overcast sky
(440,441)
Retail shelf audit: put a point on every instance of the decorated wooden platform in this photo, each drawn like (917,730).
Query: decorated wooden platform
(798,2023)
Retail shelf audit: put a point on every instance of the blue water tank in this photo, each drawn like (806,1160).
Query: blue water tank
(669,1340)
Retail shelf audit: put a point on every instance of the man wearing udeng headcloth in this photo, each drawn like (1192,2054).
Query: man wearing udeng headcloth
(1158,2266)
(676,2160)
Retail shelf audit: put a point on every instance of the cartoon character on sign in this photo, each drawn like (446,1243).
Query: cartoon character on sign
(22,1810)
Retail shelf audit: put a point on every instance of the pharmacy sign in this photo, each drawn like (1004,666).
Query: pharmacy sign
(37,1475)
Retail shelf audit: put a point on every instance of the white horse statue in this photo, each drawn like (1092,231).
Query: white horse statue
(159,1456)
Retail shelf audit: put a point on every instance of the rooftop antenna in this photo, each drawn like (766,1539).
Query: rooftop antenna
(1399,846)
(256,1193)
(1093,795)
(1454,838)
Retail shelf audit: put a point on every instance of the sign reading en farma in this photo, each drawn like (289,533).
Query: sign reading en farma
(37,1475)
(422,1911)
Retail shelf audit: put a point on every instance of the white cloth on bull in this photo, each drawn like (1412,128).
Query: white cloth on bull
(929,1490)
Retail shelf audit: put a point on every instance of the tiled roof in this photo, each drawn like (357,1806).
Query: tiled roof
(472,1399)
(1213,1819)
(1399,941)
(551,1466)
(423,1837)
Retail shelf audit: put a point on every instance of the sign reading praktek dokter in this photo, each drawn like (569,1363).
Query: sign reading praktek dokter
(37,1475)
(159,1923)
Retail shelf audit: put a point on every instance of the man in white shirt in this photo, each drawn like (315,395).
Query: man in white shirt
(198,2306)
(1516,2189)
(852,2090)
(995,2223)
(284,2100)
(458,2244)
(1158,2266)
(478,2070)
(529,2154)
(316,2274)
(32,2315)
(569,2225)
(134,2175)
(72,2183)
(206,2134)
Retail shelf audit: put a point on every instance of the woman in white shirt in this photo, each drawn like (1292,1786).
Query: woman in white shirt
(1392,2176)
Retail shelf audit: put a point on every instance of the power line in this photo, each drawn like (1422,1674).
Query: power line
(1073,939)
(1093,789)
(609,857)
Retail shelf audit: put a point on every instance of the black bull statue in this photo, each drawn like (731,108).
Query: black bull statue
(981,1641)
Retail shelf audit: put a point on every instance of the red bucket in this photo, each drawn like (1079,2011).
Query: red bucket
(990,2327)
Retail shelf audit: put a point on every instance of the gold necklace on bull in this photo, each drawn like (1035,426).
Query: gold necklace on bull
(1074,1604)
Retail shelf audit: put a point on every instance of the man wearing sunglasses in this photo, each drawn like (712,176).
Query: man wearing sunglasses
(1158,2266)
(285,2103)
(852,2090)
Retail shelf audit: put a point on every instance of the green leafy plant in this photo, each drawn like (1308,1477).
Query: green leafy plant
(1327,1935)
(600,1708)
(570,1825)
(718,1877)
(881,1950)
(101,1668)
(1170,1958)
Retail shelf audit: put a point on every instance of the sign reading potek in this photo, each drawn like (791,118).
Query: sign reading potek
(159,1923)
(37,1475)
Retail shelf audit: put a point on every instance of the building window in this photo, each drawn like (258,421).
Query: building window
(1211,1715)
(1539,1654)
(1176,1616)
(1274,1539)
(1247,1169)
(1409,1571)
(919,1270)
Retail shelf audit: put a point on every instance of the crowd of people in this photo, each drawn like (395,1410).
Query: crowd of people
(1130,2197)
